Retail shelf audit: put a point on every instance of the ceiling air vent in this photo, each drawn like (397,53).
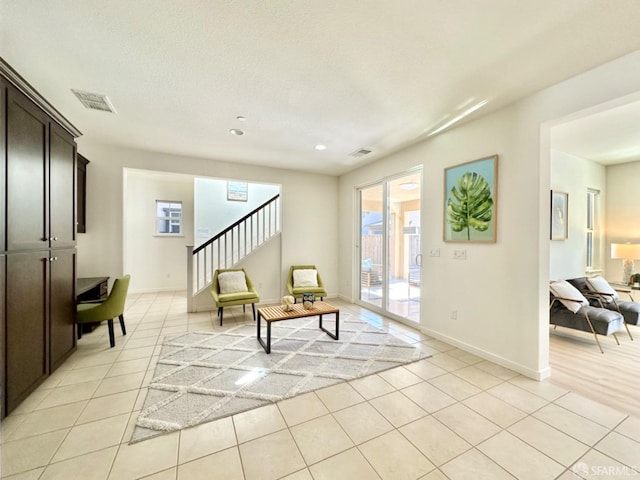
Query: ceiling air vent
(360,153)
(94,101)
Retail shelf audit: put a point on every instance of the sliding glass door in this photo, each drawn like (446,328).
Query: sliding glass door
(390,258)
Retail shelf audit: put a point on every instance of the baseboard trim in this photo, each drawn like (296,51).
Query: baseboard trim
(516,367)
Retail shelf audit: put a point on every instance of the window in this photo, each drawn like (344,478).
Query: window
(593,230)
(168,217)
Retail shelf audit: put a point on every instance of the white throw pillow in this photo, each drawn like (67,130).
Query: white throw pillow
(600,285)
(563,289)
(232,282)
(306,277)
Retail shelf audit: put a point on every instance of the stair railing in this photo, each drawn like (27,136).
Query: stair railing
(231,245)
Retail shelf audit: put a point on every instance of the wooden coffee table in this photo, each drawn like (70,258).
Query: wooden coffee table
(277,314)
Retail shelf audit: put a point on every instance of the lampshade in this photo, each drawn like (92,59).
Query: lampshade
(630,251)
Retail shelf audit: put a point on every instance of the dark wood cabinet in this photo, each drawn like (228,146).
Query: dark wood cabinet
(3,170)
(62,295)
(81,194)
(37,239)
(3,276)
(26,325)
(62,182)
(27,151)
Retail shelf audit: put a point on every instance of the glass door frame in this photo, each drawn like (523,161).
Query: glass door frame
(357,290)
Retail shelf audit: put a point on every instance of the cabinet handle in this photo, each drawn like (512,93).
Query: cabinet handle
(53,259)
(53,239)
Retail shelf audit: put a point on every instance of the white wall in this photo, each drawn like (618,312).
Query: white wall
(156,263)
(623,213)
(574,175)
(214,213)
(501,290)
(309,208)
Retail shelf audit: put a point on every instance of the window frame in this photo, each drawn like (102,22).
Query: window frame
(171,219)
(593,232)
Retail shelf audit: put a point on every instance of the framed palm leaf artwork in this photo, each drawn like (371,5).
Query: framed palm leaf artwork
(471,201)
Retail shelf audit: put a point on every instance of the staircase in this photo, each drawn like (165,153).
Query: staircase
(230,246)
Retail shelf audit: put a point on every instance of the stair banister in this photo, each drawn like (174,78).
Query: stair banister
(212,250)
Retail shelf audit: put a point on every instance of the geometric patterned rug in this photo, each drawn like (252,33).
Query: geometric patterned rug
(203,376)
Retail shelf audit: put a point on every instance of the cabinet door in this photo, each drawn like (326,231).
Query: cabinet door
(26,176)
(63,305)
(3,150)
(62,175)
(26,328)
(81,194)
(3,373)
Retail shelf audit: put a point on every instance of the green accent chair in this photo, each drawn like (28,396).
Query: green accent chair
(234,298)
(296,292)
(107,310)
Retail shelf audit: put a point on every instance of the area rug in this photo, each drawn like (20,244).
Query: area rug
(203,376)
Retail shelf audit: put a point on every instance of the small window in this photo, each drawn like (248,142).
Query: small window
(168,218)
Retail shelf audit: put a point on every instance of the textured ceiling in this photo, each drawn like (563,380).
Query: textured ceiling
(350,74)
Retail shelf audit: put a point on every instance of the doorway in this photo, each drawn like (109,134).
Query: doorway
(390,255)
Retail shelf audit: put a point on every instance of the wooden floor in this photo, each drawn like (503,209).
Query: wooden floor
(612,377)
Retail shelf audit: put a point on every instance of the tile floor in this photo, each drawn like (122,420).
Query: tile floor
(453,416)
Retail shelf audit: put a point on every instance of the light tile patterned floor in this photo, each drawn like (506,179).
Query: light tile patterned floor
(453,416)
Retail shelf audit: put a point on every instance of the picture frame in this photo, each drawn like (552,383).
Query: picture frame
(559,215)
(237,191)
(473,182)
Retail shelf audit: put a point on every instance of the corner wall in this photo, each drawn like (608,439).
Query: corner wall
(156,263)
(501,290)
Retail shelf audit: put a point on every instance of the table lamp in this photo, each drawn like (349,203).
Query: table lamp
(627,252)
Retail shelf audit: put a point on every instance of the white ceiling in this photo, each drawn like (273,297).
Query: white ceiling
(379,74)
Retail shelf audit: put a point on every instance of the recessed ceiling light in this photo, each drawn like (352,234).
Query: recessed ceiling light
(321,147)
(236,131)
(240,118)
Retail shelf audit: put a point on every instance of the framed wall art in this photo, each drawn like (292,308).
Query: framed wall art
(237,191)
(559,215)
(471,201)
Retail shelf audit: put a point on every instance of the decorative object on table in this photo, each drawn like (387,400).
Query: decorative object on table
(204,376)
(308,299)
(559,215)
(627,252)
(287,303)
(634,280)
(471,201)
(237,191)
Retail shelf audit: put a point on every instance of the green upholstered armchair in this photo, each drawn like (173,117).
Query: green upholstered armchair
(107,310)
(228,298)
(297,291)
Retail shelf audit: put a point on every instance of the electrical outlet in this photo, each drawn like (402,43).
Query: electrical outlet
(434,252)
(460,254)
(454,314)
